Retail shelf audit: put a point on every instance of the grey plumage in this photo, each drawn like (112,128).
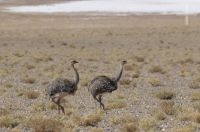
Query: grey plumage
(62,87)
(103,84)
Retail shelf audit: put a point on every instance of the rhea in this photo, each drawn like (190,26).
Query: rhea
(103,84)
(62,87)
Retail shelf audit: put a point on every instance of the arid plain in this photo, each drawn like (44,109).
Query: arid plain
(159,89)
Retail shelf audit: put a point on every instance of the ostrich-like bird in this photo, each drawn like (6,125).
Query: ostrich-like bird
(103,84)
(62,87)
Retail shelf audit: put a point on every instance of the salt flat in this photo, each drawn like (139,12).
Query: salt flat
(126,6)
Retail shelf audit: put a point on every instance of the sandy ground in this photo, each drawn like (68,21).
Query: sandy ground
(162,54)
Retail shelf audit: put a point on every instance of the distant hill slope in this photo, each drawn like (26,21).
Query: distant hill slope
(33,2)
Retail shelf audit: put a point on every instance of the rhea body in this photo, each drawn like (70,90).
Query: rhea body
(62,87)
(103,84)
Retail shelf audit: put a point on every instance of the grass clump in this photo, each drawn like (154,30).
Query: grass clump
(136,74)
(39,107)
(165,95)
(160,116)
(196,96)
(156,69)
(4,112)
(84,82)
(32,94)
(8,121)
(147,124)
(18,54)
(196,117)
(194,85)
(116,104)
(197,107)
(168,107)
(139,58)
(127,123)
(28,80)
(125,82)
(96,130)
(91,119)
(129,67)
(41,124)
(154,82)
(29,66)
(130,127)
(189,128)
(185,115)
(116,120)
(8,85)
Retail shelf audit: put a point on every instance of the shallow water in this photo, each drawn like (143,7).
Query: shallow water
(117,6)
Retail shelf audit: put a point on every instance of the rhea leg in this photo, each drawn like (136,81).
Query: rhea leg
(61,107)
(56,100)
(100,101)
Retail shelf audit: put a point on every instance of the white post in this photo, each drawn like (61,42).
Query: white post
(186,14)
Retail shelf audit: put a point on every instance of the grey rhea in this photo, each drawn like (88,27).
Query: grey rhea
(62,87)
(103,84)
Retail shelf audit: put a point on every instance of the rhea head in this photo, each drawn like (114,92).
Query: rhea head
(123,62)
(74,62)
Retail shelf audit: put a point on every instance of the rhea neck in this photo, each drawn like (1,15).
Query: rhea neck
(76,78)
(119,74)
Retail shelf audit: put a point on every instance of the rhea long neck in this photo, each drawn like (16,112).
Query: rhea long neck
(76,78)
(119,74)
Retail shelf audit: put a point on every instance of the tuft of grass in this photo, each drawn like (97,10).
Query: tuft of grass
(8,121)
(96,130)
(139,58)
(154,82)
(184,73)
(165,95)
(125,82)
(196,117)
(127,123)
(28,80)
(15,130)
(8,85)
(84,82)
(186,60)
(196,96)
(18,54)
(147,124)
(189,128)
(39,107)
(42,57)
(194,85)
(168,107)
(129,67)
(185,116)
(130,127)
(4,112)
(160,116)
(29,66)
(136,74)
(32,94)
(116,104)
(91,119)
(197,107)
(72,46)
(19,94)
(156,69)
(41,124)
(116,120)
(3,72)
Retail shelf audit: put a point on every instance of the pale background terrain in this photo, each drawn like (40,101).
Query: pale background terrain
(159,90)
